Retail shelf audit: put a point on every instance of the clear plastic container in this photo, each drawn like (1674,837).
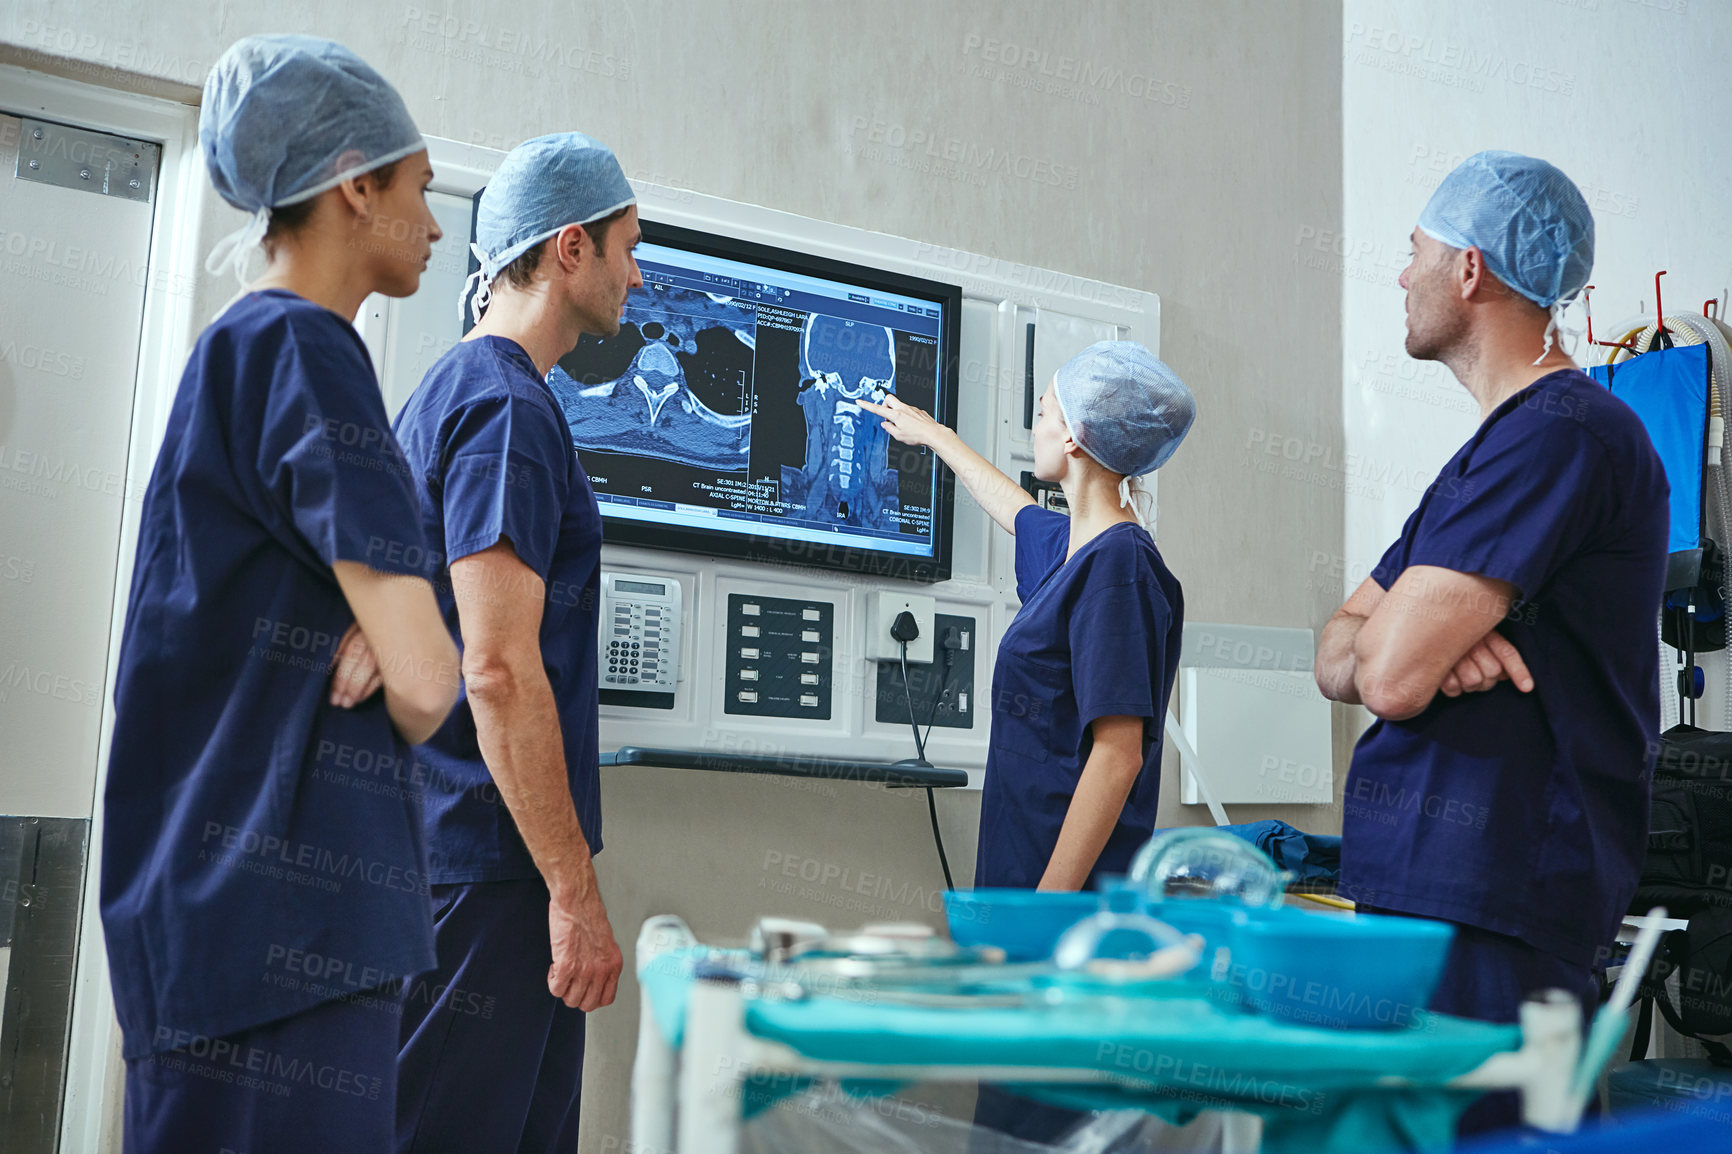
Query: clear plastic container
(1181,864)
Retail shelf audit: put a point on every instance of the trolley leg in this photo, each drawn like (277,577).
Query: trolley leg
(712,1070)
(1241,1133)
(1552,1035)
(654,1083)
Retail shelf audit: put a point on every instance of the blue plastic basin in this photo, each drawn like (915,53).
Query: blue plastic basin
(1211,920)
(1025,924)
(1364,972)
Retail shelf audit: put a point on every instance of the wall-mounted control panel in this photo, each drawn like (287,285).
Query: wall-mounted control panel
(639,638)
(778,657)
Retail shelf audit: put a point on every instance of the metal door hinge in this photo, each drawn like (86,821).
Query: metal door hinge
(98,162)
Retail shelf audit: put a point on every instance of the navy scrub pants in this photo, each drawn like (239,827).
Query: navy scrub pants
(1007,1112)
(490,1061)
(1487,977)
(324,1079)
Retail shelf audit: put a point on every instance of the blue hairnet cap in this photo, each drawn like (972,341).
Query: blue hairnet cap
(287,117)
(541,186)
(1529,219)
(1125,408)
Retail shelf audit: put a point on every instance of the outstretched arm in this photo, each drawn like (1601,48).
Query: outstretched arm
(1001,497)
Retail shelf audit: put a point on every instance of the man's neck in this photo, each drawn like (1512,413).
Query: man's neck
(1501,364)
(533,319)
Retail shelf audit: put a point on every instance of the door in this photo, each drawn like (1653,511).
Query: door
(75,234)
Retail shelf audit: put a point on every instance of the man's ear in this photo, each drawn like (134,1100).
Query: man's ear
(569,245)
(1475,276)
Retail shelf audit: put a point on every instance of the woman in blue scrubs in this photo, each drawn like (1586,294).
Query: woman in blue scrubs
(263,880)
(1083,673)
(1080,687)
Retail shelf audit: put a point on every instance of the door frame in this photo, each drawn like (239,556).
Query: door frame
(91,1106)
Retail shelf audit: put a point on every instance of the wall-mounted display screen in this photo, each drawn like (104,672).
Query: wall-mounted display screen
(723,418)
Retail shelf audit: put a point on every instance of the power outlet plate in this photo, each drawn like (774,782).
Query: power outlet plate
(882,608)
(942,693)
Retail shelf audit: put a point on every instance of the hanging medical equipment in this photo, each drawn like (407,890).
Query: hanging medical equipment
(1673,372)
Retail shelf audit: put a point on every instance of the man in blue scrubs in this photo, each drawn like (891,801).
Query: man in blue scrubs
(263,875)
(1506,640)
(513,803)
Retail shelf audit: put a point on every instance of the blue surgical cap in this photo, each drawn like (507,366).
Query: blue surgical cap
(287,117)
(542,186)
(1125,409)
(1527,218)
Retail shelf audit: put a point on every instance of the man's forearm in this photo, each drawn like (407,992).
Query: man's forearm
(517,727)
(1337,669)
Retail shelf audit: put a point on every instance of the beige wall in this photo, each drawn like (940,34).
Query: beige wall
(1202,200)
(1195,174)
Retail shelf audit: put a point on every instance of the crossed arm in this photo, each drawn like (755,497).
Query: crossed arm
(398,643)
(1434,630)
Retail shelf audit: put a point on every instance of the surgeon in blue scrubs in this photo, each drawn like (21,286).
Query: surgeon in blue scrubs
(263,879)
(1505,641)
(1084,672)
(514,802)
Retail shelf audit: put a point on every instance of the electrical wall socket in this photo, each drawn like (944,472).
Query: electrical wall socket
(882,608)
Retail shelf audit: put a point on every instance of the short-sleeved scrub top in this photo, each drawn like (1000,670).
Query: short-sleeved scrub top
(1097,636)
(261,853)
(495,462)
(1526,814)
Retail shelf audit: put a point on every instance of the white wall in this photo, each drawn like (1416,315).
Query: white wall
(1628,97)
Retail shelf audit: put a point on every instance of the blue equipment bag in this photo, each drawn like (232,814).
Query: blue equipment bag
(1668,389)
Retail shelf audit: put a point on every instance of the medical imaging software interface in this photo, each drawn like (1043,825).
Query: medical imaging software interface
(728,402)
